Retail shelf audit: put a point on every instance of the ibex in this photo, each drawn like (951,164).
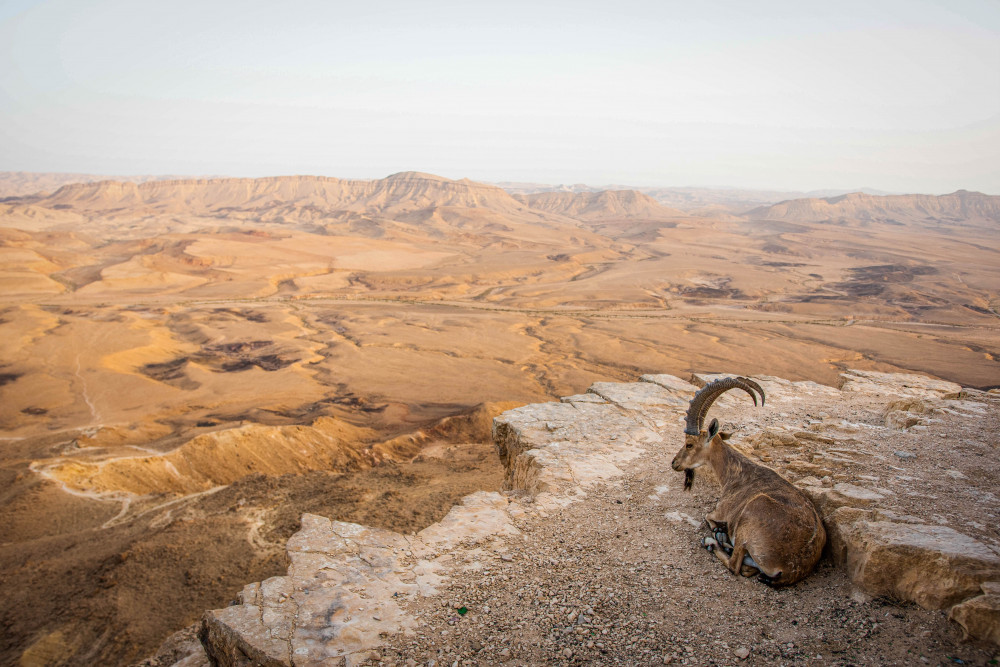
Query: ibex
(762,524)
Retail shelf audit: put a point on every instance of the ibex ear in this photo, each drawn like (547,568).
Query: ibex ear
(725,435)
(713,428)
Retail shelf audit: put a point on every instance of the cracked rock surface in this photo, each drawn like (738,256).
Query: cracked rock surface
(591,553)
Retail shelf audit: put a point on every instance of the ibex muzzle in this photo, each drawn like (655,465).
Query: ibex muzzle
(762,524)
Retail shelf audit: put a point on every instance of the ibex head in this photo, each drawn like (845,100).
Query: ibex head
(697,440)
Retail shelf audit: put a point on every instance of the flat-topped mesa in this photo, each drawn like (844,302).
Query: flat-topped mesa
(409,190)
(346,584)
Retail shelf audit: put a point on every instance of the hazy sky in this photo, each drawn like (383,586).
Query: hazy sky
(898,95)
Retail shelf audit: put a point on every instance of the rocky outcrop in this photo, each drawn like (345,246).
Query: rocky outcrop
(896,534)
(934,566)
(344,586)
(897,385)
(980,616)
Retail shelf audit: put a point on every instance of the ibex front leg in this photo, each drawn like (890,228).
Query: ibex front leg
(737,561)
(733,556)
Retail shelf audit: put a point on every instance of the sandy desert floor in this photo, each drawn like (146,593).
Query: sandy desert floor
(150,360)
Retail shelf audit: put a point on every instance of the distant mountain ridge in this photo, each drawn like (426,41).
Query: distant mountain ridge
(407,190)
(410,194)
(603,205)
(404,192)
(733,200)
(24,183)
(959,206)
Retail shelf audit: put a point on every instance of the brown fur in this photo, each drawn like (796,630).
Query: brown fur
(764,515)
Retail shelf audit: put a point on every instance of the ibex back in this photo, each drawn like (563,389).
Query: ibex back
(762,524)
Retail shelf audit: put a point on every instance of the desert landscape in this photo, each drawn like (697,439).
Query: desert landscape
(186,366)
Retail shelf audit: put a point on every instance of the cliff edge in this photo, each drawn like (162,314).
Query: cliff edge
(591,553)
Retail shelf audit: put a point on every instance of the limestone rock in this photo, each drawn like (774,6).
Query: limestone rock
(481,516)
(828,499)
(235,637)
(671,382)
(582,398)
(897,384)
(934,566)
(836,520)
(701,379)
(768,438)
(980,616)
(340,593)
(181,649)
(637,395)
(558,449)
(901,420)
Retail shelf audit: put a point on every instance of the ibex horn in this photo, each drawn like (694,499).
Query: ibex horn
(703,400)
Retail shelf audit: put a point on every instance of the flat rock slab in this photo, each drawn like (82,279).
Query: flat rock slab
(637,395)
(934,566)
(553,451)
(897,384)
(828,499)
(339,595)
(344,586)
(671,382)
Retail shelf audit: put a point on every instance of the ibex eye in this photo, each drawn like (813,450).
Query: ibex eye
(689,445)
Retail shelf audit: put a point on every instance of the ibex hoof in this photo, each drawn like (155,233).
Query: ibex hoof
(770,581)
(723,541)
(709,544)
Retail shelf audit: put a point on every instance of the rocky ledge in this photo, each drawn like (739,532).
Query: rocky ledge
(902,467)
